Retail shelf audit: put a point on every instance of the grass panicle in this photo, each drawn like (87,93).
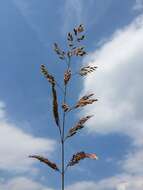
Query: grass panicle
(74,49)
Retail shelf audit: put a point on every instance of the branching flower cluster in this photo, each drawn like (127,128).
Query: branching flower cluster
(74,39)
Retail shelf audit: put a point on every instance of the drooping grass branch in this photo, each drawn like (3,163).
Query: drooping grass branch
(74,49)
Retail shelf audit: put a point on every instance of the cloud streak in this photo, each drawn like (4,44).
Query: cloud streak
(73,11)
(138,5)
(77,12)
(26,10)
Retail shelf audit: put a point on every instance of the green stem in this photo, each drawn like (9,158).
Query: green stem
(62,141)
(63,135)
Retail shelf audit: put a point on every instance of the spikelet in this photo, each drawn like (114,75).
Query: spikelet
(80,156)
(78,126)
(86,70)
(92,156)
(70,53)
(67,76)
(59,52)
(79,51)
(85,100)
(80,38)
(70,37)
(65,107)
(78,29)
(46,161)
(49,77)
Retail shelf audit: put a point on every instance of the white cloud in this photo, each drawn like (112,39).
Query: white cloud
(123,182)
(134,162)
(21,183)
(118,84)
(83,185)
(16,145)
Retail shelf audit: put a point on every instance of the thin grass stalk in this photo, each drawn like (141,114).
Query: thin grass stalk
(63,132)
(62,141)
(73,50)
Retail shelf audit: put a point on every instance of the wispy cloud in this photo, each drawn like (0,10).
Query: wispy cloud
(73,9)
(89,13)
(76,12)
(138,5)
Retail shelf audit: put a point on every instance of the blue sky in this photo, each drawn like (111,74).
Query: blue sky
(114,35)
